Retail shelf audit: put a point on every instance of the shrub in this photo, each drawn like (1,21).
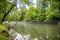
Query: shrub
(3,33)
(31,14)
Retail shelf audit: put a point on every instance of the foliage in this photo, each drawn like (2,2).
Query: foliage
(22,13)
(1,15)
(26,1)
(2,6)
(2,37)
(3,32)
(31,14)
(40,15)
(52,14)
(34,14)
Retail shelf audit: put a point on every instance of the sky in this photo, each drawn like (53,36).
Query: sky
(34,1)
(18,4)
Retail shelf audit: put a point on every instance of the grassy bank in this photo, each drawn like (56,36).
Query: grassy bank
(4,33)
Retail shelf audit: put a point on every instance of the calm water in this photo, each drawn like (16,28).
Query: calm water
(34,31)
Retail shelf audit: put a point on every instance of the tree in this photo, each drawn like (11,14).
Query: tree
(31,14)
(8,11)
(53,13)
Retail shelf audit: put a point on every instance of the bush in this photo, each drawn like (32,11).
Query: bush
(40,15)
(3,33)
(2,37)
(52,15)
(31,14)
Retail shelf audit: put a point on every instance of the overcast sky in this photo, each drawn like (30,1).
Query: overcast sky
(18,4)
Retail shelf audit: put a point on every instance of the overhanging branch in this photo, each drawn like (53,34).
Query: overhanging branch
(7,13)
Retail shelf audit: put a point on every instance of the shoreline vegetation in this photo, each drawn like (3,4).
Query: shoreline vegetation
(35,22)
(4,32)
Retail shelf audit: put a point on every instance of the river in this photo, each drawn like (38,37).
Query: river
(34,31)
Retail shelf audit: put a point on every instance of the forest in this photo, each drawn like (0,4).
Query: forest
(34,17)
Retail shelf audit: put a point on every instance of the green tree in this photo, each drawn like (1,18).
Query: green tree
(31,14)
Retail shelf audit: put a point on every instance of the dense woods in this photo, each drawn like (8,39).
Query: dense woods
(48,11)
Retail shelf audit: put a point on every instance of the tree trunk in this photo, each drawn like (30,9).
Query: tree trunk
(7,13)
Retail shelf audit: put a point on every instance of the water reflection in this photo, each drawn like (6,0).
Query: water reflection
(19,37)
(35,31)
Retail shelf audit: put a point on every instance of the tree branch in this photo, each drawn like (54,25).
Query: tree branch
(7,13)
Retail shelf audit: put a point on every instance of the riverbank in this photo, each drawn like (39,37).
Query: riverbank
(37,30)
(4,33)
